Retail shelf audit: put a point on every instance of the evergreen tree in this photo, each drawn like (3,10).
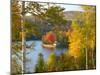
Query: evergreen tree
(40,66)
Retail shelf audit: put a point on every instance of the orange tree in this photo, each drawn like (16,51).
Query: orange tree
(49,38)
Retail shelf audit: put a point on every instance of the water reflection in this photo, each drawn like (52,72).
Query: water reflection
(32,54)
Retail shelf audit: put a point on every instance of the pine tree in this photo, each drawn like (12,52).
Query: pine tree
(40,66)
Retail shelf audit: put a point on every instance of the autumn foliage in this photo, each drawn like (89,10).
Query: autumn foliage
(50,37)
(75,38)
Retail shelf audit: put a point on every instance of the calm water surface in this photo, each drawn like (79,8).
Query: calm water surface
(32,54)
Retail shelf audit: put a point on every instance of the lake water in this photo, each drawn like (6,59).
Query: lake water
(32,54)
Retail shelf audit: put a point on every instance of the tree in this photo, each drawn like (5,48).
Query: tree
(89,34)
(55,11)
(62,41)
(82,37)
(16,20)
(16,47)
(75,45)
(51,63)
(35,9)
(75,36)
(49,38)
(40,66)
(32,29)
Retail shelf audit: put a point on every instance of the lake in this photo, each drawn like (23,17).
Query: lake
(32,54)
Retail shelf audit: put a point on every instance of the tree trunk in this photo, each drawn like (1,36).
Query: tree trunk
(23,37)
(86,58)
(93,59)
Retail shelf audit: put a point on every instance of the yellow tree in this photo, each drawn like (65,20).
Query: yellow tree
(89,32)
(75,44)
(16,20)
(51,62)
(82,36)
(75,36)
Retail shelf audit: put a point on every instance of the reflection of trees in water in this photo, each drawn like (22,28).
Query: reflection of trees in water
(31,46)
(26,59)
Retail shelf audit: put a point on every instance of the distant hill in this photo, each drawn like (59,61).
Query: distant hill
(70,15)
